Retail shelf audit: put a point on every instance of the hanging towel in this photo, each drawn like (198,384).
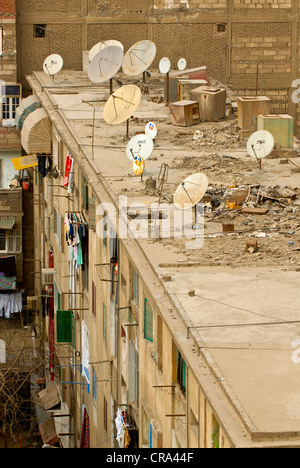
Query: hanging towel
(85,431)
(68,169)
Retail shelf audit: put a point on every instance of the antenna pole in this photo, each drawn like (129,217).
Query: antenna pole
(111,86)
(127,129)
(168,89)
(256,89)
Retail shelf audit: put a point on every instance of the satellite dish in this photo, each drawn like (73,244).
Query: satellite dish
(138,165)
(181,65)
(260,144)
(190,191)
(151,130)
(139,57)
(122,104)
(139,145)
(102,45)
(53,64)
(105,64)
(164,65)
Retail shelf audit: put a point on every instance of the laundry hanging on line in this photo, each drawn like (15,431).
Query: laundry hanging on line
(11,304)
(77,237)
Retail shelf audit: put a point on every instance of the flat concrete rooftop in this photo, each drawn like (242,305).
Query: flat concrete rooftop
(244,314)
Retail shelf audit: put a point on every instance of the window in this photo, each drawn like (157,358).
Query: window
(148,321)
(10,100)
(64,324)
(94,385)
(2,241)
(159,343)
(85,194)
(39,30)
(135,285)
(105,413)
(11,241)
(94,299)
(104,322)
(215,433)
(1,41)
(180,371)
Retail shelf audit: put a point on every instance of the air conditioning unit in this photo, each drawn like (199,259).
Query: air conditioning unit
(32,303)
(48,276)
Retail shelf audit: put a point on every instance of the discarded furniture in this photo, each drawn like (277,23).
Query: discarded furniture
(185,88)
(281,126)
(185,113)
(212,102)
(249,107)
(199,73)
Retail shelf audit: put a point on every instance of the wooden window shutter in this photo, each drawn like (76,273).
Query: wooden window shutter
(104,322)
(92,213)
(64,326)
(148,321)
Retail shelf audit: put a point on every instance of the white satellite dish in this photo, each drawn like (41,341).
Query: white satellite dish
(181,65)
(140,145)
(164,66)
(122,104)
(105,64)
(190,191)
(53,64)
(102,45)
(139,57)
(151,130)
(260,144)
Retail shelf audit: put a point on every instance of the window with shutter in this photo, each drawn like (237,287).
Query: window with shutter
(92,213)
(104,322)
(148,321)
(64,326)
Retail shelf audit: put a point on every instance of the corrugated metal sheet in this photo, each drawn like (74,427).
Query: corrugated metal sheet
(28,105)
(36,133)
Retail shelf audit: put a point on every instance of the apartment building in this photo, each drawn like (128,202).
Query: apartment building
(247,45)
(143,343)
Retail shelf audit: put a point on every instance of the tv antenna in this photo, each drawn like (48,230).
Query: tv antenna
(102,45)
(138,166)
(260,145)
(181,65)
(189,193)
(53,64)
(105,65)
(121,105)
(138,58)
(151,130)
(164,68)
(140,145)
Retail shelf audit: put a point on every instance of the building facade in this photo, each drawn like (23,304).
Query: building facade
(251,46)
(124,344)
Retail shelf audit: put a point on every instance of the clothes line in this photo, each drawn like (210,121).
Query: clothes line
(11,304)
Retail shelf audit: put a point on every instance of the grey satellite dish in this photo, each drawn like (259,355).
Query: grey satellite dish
(105,64)
(260,144)
(140,145)
(102,45)
(164,65)
(181,65)
(53,64)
